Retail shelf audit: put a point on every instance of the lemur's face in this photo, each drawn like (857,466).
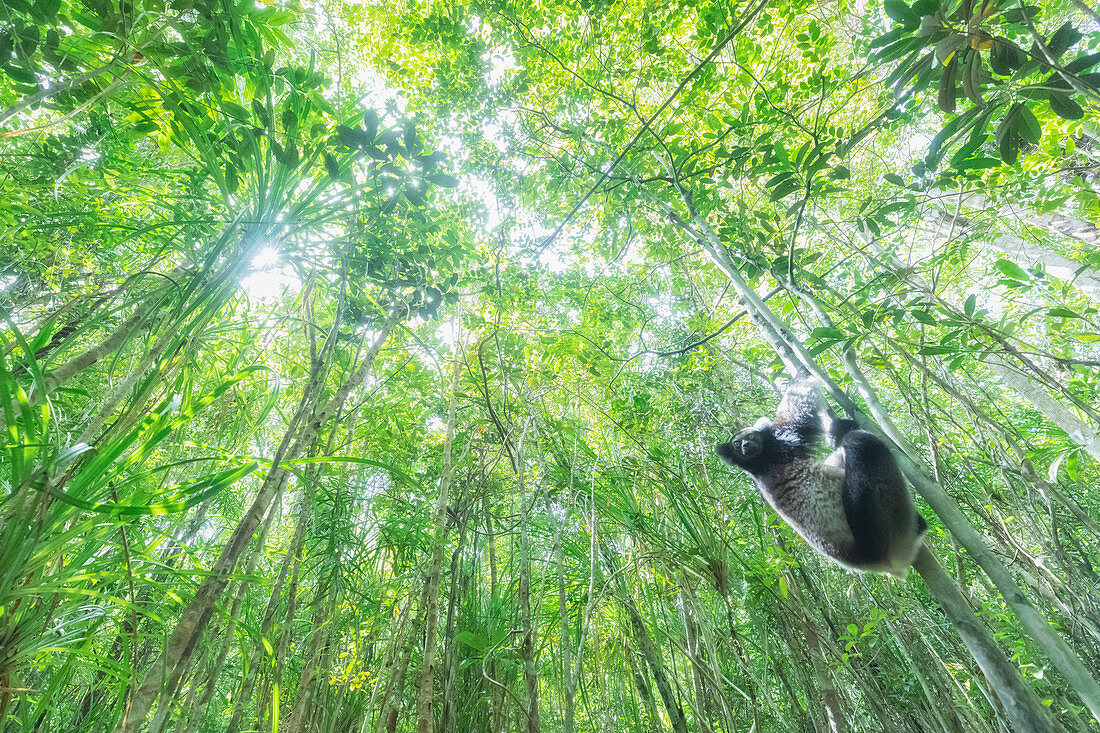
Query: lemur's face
(743,448)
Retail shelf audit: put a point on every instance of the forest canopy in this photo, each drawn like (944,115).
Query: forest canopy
(362,364)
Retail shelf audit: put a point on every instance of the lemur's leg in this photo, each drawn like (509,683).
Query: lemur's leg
(798,419)
(871,482)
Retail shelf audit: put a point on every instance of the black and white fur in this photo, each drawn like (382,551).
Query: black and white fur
(853,507)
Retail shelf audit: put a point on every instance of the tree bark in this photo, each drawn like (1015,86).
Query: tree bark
(652,658)
(425,717)
(1021,705)
(1077,429)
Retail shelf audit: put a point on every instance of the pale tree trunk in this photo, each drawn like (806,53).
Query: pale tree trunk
(564,647)
(398,642)
(1077,429)
(527,646)
(449,702)
(1028,254)
(326,600)
(165,707)
(823,680)
(497,699)
(195,617)
(595,596)
(1031,254)
(1055,222)
(794,355)
(425,716)
(638,673)
(935,703)
(815,652)
(292,558)
(62,374)
(389,710)
(1020,703)
(649,651)
(696,659)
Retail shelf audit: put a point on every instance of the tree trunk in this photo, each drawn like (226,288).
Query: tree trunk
(564,647)
(1077,429)
(449,701)
(652,657)
(527,646)
(1020,703)
(425,717)
(292,558)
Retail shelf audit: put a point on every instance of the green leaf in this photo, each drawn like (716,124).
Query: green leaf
(1062,39)
(1081,63)
(1064,107)
(1012,270)
(1087,336)
(828,332)
(1028,127)
(442,179)
(946,97)
(924,317)
(1062,313)
(261,113)
(901,12)
(1004,56)
(331,166)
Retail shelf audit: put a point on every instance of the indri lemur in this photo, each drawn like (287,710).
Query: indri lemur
(852,507)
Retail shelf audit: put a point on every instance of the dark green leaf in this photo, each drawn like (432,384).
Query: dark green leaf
(1029,126)
(900,12)
(1062,39)
(442,179)
(331,166)
(1082,63)
(1064,107)
(946,98)
(261,112)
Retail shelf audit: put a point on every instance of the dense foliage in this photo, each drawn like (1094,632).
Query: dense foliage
(361,364)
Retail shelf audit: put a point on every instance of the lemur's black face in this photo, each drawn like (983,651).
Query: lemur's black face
(743,448)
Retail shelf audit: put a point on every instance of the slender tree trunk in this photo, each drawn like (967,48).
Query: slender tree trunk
(638,673)
(497,694)
(696,660)
(527,646)
(326,600)
(449,701)
(196,615)
(935,703)
(1077,429)
(652,657)
(564,647)
(1020,703)
(425,722)
(293,558)
(389,710)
